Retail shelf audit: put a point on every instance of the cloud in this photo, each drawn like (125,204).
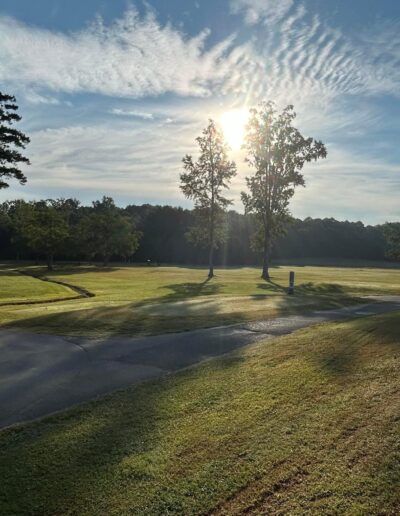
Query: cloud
(141,163)
(350,186)
(293,56)
(298,57)
(35,98)
(261,10)
(132,57)
(132,112)
(119,159)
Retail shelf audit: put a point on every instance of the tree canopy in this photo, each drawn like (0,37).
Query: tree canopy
(277,152)
(104,231)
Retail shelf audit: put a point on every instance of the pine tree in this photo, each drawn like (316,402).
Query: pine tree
(11,141)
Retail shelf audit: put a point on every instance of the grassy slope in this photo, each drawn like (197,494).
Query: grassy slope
(140,300)
(16,288)
(303,424)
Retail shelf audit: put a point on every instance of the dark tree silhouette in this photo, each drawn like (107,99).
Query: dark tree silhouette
(277,151)
(204,181)
(391,231)
(105,231)
(11,142)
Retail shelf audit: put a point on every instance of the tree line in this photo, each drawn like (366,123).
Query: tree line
(66,230)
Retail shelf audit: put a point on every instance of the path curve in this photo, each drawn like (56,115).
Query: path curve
(41,374)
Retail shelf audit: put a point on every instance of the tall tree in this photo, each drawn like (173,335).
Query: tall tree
(11,142)
(391,231)
(20,214)
(47,230)
(277,151)
(204,182)
(105,231)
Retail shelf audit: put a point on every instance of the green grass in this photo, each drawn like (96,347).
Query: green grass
(145,300)
(303,424)
(18,288)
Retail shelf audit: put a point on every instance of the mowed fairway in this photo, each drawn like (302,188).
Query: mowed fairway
(19,288)
(303,424)
(145,300)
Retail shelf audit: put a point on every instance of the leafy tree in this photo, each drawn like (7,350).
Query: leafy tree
(46,230)
(204,182)
(277,151)
(391,231)
(11,142)
(20,214)
(105,231)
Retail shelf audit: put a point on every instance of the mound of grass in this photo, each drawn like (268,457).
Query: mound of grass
(145,300)
(19,288)
(303,424)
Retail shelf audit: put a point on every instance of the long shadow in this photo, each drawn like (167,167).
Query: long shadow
(131,321)
(109,444)
(116,445)
(321,288)
(271,286)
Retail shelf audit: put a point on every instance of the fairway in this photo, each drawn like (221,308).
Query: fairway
(150,300)
(302,424)
(19,288)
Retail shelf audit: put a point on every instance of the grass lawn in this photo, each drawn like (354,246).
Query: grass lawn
(18,288)
(144,300)
(302,424)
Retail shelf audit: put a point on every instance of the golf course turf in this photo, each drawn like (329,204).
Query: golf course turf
(149,300)
(302,424)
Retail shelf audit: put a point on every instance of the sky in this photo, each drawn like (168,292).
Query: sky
(113,94)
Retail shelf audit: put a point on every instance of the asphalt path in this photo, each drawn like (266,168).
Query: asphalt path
(41,374)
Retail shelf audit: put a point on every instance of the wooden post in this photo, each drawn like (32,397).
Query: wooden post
(291,283)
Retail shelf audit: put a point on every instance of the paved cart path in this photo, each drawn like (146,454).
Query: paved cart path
(40,374)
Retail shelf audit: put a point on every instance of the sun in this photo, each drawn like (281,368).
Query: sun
(233,124)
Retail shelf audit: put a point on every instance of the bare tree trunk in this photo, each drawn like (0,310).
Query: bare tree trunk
(50,261)
(266,256)
(211,252)
(211,261)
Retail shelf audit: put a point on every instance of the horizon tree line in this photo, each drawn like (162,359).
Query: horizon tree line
(159,236)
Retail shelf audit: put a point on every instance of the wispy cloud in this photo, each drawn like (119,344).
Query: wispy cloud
(297,56)
(350,186)
(132,57)
(132,112)
(261,10)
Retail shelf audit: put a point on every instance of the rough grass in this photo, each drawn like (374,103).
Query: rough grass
(303,424)
(144,300)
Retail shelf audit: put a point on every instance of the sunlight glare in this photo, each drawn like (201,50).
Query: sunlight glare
(233,124)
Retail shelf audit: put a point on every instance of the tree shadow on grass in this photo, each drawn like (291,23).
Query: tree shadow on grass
(134,318)
(85,457)
(185,291)
(122,451)
(362,338)
(271,286)
(320,288)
